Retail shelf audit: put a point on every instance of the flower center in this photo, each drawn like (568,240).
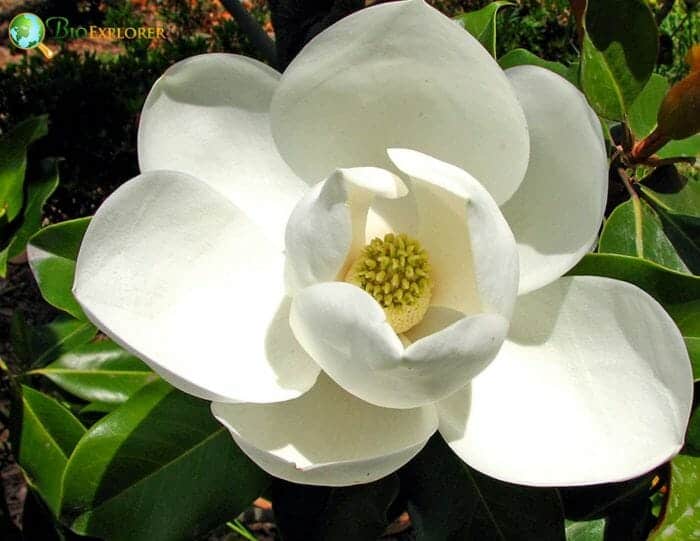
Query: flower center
(396,272)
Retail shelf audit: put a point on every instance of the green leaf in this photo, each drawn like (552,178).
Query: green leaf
(13,162)
(693,345)
(692,438)
(41,345)
(317,513)
(681,521)
(49,435)
(38,193)
(587,503)
(163,461)
(522,57)
(642,113)
(634,229)
(449,501)
(642,119)
(683,204)
(689,148)
(620,48)
(101,372)
(591,530)
(98,408)
(666,286)
(687,317)
(680,215)
(52,254)
(482,24)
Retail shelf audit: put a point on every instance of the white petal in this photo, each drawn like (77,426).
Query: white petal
(345,330)
(327,227)
(327,436)
(208,116)
(471,248)
(400,74)
(181,277)
(557,211)
(593,385)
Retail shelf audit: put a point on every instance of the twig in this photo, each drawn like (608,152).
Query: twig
(250,27)
(664,10)
(637,208)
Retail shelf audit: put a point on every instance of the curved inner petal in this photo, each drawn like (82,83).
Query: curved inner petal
(400,74)
(326,229)
(471,248)
(178,275)
(328,436)
(557,211)
(208,116)
(593,385)
(346,332)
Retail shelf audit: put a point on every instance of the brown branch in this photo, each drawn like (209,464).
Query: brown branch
(250,27)
(664,10)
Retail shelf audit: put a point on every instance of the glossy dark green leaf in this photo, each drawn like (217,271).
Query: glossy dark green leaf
(692,438)
(49,435)
(523,57)
(450,501)
(13,163)
(625,507)
(681,521)
(100,372)
(312,513)
(693,345)
(687,317)
(634,229)
(98,408)
(37,194)
(591,530)
(38,346)
(482,24)
(588,503)
(642,114)
(161,464)
(683,204)
(642,119)
(631,521)
(689,147)
(679,212)
(52,254)
(619,53)
(667,286)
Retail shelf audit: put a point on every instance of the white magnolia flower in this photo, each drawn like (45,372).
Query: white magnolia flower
(241,278)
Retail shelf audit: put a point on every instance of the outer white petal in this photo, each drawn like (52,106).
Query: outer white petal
(208,116)
(345,330)
(557,211)
(327,227)
(400,74)
(179,276)
(327,436)
(471,248)
(593,385)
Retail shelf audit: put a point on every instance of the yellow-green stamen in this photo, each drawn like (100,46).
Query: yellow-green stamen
(396,272)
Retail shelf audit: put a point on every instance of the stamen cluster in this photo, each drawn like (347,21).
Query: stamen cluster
(395,270)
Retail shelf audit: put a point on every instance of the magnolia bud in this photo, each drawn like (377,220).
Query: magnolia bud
(679,115)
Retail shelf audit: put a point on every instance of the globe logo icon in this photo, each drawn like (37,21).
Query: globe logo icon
(27,31)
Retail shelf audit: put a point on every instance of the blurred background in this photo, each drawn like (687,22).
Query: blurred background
(93,89)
